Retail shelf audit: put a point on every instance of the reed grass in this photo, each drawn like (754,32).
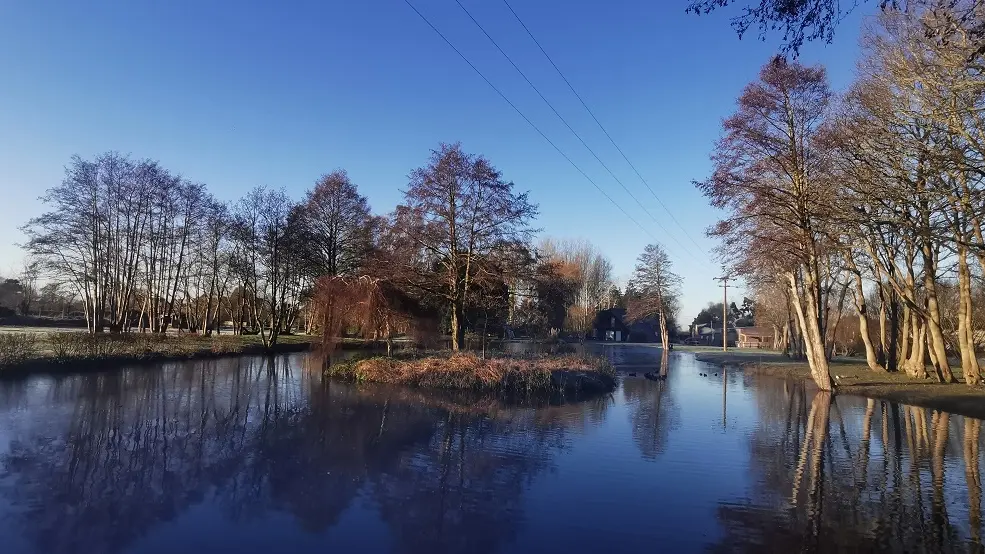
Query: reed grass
(467,371)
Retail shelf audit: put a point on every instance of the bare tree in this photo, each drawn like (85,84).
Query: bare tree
(657,287)
(459,215)
(264,223)
(340,225)
(206,282)
(29,286)
(92,233)
(593,276)
(770,177)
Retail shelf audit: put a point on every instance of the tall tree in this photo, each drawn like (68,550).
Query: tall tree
(910,195)
(92,234)
(657,287)
(593,276)
(460,215)
(769,176)
(265,225)
(340,225)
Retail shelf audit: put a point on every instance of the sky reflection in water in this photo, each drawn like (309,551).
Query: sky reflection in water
(261,455)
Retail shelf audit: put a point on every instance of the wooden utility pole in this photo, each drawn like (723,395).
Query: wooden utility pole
(724,279)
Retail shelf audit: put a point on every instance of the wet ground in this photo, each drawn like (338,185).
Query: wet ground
(263,455)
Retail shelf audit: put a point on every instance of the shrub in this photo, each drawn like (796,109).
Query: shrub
(226,344)
(65,345)
(18,347)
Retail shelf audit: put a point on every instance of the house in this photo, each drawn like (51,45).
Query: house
(711,336)
(609,325)
(645,330)
(754,337)
(703,332)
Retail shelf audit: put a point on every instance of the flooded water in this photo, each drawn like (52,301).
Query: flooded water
(262,455)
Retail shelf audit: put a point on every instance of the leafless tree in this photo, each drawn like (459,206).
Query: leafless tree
(459,216)
(770,178)
(657,287)
(340,224)
(592,272)
(265,261)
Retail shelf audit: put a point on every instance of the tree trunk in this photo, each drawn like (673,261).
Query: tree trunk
(966,333)
(863,326)
(457,326)
(916,362)
(389,338)
(663,331)
(807,310)
(834,329)
(908,331)
(883,347)
(892,355)
(935,335)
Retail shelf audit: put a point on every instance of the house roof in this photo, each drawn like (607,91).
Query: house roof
(755,331)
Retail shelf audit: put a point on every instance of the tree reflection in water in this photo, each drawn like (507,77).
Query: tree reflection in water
(98,463)
(654,413)
(255,435)
(878,482)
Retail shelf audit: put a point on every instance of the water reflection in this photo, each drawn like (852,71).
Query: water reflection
(654,411)
(132,449)
(868,475)
(153,460)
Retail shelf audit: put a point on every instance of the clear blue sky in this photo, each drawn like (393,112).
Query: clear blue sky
(235,94)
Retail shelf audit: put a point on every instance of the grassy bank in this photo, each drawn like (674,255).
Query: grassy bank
(74,351)
(853,376)
(463,371)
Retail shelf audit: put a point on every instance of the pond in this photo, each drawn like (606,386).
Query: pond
(262,455)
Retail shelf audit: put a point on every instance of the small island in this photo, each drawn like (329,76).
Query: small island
(563,374)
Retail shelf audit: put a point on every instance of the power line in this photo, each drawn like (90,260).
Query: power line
(602,127)
(525,118)
(566,124)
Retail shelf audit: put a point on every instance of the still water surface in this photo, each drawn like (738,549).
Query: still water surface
(262,455)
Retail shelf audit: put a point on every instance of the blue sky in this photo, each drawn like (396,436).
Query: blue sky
(235,94)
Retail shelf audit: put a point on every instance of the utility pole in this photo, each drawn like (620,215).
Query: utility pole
(724,279)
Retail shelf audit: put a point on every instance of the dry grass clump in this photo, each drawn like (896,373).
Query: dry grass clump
(465,371)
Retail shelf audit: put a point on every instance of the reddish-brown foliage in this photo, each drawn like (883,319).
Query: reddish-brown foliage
(371,307)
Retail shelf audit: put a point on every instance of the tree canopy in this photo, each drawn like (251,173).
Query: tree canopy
(799,21)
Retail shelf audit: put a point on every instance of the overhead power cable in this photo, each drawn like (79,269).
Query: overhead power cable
(602,127)
(570,128)
(525,118)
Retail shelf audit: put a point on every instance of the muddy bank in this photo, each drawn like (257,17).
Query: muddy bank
(854,377)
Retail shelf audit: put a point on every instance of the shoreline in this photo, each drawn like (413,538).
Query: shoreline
(140,350)
(853,377)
